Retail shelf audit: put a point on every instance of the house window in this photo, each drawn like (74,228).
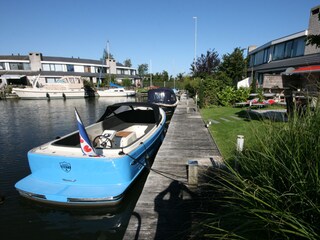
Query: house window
(87,69)
(46,67)
(19,66)
(2,66)
(51,80)
(58,68)
(258,58)
(70,68)
(298,47)
(266,53)
(278,51)
(288,49)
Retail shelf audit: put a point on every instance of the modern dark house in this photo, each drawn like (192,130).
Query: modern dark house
(272,63)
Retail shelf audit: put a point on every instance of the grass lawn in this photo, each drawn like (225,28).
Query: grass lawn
(233,122)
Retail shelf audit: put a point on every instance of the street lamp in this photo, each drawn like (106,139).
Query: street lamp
(195,40)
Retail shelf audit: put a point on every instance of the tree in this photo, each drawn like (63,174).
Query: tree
(126,82)
(180,76)
(127,63)
(165,75)
(142,69)
(205,65)
(106,55)
(234,65)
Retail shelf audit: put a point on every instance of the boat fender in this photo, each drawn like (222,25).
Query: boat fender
(64,96)
(48,96)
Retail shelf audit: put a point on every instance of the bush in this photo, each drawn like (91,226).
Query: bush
(273,190)
(227,96)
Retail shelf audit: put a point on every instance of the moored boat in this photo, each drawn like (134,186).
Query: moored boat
(71,171)
(66,87)
(116,91)
(165,98)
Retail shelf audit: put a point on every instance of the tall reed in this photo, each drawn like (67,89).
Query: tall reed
(273,190)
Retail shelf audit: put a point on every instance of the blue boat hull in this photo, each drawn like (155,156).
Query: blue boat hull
(86,181)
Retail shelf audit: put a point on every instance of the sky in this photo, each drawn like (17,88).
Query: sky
(159,33)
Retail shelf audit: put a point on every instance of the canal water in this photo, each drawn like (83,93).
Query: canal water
(25,124)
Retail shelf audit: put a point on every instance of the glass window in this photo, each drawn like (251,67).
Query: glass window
(58,67)
(70,68)
(298,47)
(288,49)
(251,61)
(52,68)
(87,69)
(266,53)
(2,66)
(26,66)
(19,66)
(50,80)
(46,67)
(258,58)
(278,51)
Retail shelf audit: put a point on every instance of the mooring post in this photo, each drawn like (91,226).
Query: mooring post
(240,142)
(192,172)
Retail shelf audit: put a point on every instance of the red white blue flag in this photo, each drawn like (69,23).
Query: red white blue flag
(85,143)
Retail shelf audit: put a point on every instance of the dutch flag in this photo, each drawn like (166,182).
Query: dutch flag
(85,143)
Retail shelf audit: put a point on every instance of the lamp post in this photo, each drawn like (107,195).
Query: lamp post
(195,40)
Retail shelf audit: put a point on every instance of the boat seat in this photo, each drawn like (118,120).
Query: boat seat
(124,138)
(129,135)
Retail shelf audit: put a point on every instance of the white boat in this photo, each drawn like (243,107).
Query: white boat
(116,91)
(66,87)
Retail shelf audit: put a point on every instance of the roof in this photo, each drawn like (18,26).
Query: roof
(73,60)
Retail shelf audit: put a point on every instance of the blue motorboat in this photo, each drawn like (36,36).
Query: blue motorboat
(99,166)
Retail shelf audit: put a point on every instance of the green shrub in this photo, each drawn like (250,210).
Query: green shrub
(272,189)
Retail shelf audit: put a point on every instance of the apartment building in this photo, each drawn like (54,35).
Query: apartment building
(17,69)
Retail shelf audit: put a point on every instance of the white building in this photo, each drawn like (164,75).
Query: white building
(17,69)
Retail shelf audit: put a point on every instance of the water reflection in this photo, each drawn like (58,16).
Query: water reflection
(27,124)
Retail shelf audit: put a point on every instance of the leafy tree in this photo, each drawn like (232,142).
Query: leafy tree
(127,63)
(126,82)
(234,65)
(142,70)
(205,65)
(105,55)
(165,75)
(180,76)
(224,79)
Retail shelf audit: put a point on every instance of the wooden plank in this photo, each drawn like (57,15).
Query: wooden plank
(165,206)
(123,133)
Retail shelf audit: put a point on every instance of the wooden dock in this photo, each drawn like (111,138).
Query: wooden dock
(164,208)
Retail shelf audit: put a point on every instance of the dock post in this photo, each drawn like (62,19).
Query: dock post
(192,172)
(240,142)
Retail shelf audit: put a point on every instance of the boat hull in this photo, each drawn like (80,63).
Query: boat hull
(48,94)
(107,93)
